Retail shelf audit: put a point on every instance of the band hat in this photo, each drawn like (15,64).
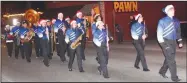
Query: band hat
(78,13)
(59,14)
(67,19)
(73,21)
(23,22)
(96,15)
(167,8)
(42,21)
(98,22)
(137,16)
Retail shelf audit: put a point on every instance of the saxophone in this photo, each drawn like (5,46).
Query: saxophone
(76,42)
(29,36)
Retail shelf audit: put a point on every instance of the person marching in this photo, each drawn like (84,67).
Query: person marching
(9,40)
(60,30)
(168,31)
(25,41)
(37,41)
(100,39)
(68,27)
(15,30)
(81,24)
(139,33)
(73,37)
(43,34)
(49,26)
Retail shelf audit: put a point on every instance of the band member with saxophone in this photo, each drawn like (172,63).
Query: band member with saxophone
(168,32)
(43,34)
(60,30)
(25,41)
(49,26)
(100,39)
(73,38)
(139,34)
(82,24)
(37,44)
(9,40)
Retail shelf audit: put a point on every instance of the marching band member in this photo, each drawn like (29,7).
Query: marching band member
(139,34)
(73,35)
(43,34)
(50,38)
(15,30)
(97,18)
(26,49)
(100,39)
(60,30)
(68,22)
(37,41)
(168,31)
(81,24)
(9,40)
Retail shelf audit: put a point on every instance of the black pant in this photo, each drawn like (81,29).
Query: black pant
(37,46)
(119,37)
(62,49)
(58,49)
(169,51)
(103,58)
(96,52)
(50,47)
(139,45)
(9,48)
(45,49)
(72,53)
(22,50)
(27,50)
(83,46)
(17,49)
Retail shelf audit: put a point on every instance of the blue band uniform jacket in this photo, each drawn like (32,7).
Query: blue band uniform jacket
(137,30)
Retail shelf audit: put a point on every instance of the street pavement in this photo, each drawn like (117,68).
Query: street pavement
(120,67)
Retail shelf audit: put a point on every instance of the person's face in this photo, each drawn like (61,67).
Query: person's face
(101,25)
(44,24)
(60,16)
(140,19)
(25,25)
(99,18)
(171,12)
(74,24)
(18,24)
(68,21)
(48,23)
(35,24)
(131,17)
(80,16)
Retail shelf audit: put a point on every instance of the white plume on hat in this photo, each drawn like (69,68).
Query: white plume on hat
(42,21)
(137,16)
(67,19)
(78,13)
(98,22)
(168,7)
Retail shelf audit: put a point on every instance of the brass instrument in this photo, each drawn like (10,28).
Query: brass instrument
(76,42)
(32,17)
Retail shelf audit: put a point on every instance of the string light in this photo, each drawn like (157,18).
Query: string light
(22,14)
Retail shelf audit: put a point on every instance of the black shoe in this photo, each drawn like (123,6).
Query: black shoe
(106,76)
(29,61)
(70,70)
(81,70)
(137,67)
(47,65)
(177,80)
(163,75)
(146,70)
(23,57)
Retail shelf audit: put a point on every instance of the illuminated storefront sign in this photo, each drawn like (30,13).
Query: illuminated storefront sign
(127,6)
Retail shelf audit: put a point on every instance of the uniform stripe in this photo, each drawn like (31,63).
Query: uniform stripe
(138,29)
(168,26)
(168,33)
(169,29)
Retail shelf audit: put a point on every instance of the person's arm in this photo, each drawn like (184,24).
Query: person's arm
(178,31)
(160,32)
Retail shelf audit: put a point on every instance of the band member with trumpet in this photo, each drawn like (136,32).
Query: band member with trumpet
(100,39)
(9,40)
(49,26)
(43,34)
(60,30)
(73,38)
(168,32)
(25,36)
(82,25)
(37,44)
(139,34)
